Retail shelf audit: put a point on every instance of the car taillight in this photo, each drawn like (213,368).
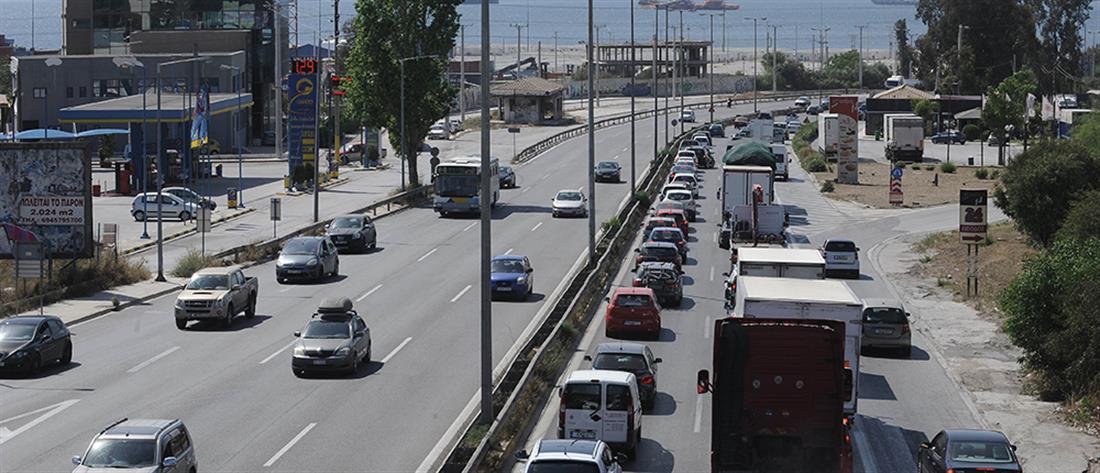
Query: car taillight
(905,328)
(637,283)
(630,418)
(647,379)
(561,411)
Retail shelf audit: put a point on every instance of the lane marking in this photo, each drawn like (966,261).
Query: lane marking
(544,177)
(395,350)
(469,227)
(698,412)
(712,273)
(509,251)
(716,237)
(536,227)
(461,293)
(626,149)
(616,157)
(152,360)
(706,328)
(286,288)
(525,189)
(293,441)
(50,411)
(426,255)
(273,355)
(364,296)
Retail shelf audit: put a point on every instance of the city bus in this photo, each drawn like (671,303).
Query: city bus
(458,182)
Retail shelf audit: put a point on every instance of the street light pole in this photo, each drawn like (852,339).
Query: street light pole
(633,92)
(591,150)
(130,63)
(775,52)
(755,99)
(711,73)
(861,27)
(672,82)
(236,134)
(656,102)
(486,220)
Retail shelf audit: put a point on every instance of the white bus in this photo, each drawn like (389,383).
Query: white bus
(458,182)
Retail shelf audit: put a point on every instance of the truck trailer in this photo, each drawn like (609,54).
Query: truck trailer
(905,138)
(828,135)
(749,211)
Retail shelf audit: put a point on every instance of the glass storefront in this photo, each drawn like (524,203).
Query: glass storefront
(114,20)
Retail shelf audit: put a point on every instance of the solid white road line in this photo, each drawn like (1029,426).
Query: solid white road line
(364,296)
(426,255)
(698,412)
(716,237)
(275,458)
(48,411)
(469,226)
(152,360)
(461,293)
(509,251)
(395,350)
(536,227)
(273,355)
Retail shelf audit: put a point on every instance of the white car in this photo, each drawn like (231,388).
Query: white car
(569,202)
(689,180)
(687,115)
(438,132)
(802,102)
(841,258)
(145,206)
(456,124)
(189,195)
(702,139)
(561,455)
(685,197)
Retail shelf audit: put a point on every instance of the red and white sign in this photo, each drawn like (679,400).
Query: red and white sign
(897,197)
(973,206)
(47,210)
(847,148)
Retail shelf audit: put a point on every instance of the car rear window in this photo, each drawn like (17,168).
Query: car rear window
(840,246)
(665,235)
(619,362)
(980,452)
(563,466)
(633,300)
(883,315)
(581,396)
(618,397)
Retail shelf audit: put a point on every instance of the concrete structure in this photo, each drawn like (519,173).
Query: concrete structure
(896,100)
(615,58)
(529,100)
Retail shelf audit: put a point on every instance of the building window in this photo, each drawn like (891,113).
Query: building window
(83,91)
(68,92)
(107,88)
(39,92)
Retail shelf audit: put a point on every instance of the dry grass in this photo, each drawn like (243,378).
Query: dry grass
(193,261)
(874,179)
(82,278)
(1001,257)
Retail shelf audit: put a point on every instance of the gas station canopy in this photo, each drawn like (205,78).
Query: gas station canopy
(174,108)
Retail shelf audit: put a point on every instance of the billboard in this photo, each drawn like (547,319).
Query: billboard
(46,196)
(847,148)
(973,225)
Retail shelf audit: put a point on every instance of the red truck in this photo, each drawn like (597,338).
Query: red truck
(779,391)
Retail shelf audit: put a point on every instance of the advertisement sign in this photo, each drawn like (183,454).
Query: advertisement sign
(46,197)
(231,197)
(973,205)
(199,118)
(847,149)
(301,120)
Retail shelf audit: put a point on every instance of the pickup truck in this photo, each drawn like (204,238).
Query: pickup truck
(217,294)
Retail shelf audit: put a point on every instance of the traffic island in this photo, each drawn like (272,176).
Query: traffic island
(923,185)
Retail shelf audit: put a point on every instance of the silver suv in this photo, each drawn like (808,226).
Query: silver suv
(557,456)
(149,445)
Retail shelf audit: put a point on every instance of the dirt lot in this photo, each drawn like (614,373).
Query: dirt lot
(874,179)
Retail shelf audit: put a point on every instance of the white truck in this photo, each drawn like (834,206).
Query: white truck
(739,205)
(787,298)
(904,138)
(779,150)
(828,135)
(762,130)
(798,263)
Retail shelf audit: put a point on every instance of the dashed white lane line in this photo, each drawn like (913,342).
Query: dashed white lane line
(616,157)
(525,189)
(286,288)
(364,296)
(706,328)
(544,177)
(273,355)
(536,227)
(626,149)
(152,360)
(712,273)
(509,251)
(698,412)
(395,350)
(469,226)
(426,255)
(282,451)
(716,237)
(461,293)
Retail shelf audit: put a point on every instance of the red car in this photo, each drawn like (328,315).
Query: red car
(679,215)
(633,310)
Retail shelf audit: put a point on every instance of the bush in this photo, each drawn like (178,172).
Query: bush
(611,225)
(930,168)
(1081,222)
(981,173)
(995,174)
(972,132)
(643,198)
(193,261)
(828,186)
(815,163)
(915,167)
(948,168)
(1049,310)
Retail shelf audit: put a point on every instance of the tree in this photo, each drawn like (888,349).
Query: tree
(1006,103)
(1039,186)
(386,31)
(927,109)
(1061,26)
(792,74)
(905,52)
(1087,131)
(1081,222)
(5,76)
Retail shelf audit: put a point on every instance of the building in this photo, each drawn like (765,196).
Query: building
(688,57)
(896,100)
(531,100)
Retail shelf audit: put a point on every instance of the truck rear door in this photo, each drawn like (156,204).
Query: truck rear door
(581,410)
(617,410)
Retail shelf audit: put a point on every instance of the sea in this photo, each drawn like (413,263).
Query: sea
(564,22)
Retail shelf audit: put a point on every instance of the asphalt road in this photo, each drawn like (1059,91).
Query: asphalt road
(902,402)
(234,388)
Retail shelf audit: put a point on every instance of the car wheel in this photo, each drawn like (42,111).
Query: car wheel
(67,354)
(251,311)
(228,320)
(374,242)
(354,364)
(139,216)
(368,357)
(181,324)
(185,216)
(280,280)
(299,373)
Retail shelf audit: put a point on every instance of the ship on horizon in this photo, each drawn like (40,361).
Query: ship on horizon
(689,5)
(895,2)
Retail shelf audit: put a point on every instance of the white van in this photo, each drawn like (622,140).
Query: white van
(602,405)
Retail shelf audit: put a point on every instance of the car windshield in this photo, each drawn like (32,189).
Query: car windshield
(563,466)
(505,170)
(678,196)
(685,178)
(326,329)
(121,453)
(185,195)
(606,165)
(883,315)
(980,452)
(670,205)
(208,282)
(571,195)
(301,247)
(633,300)
(507,266)
(12,332)
(619,362)
(347,222)
(449,185)
(840,246)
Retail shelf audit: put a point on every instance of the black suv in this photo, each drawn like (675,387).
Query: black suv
(665,280)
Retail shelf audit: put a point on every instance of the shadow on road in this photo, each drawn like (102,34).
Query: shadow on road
(365,369)
(651,457)
(239,323)
(873,386)
(663,405)
(44,372)
(503,211)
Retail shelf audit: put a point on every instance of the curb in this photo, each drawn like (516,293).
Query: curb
(127,304)
(333,183)
(144,246)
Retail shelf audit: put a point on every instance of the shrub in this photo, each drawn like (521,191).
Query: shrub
(828,186)
(915,167)
(1081,222)
(981,173)
(948,168)
(972,132)
(816,164)
(193,261)
(643,199)
(995,174)
(611,225)
(929,167)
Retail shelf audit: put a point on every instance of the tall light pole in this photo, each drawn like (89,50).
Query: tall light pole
(596,62)
(633,92)
(278,64)
(51,64)
(821,50)
(682,64)
(519,42)
(461,77)
(237,133)
(130,63)
(486,220)
(591,149)
(775,52)
(710,49)
(755,100)
(656,102)
(672,82)
(404,144)
(861,27)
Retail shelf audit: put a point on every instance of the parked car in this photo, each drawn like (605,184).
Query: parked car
(351,152)
(307,257)
(764,115)
(687,115)
(679,214)
(671,235)
(335,339)
(218,294)
(608,171)
(30,342)
(511,276)
(507,177)
(702,138)
(665,280)
(717,130)
(455,123)
(994,140)
(438,132)
(968,450)
(886,325)
(191,196)
(146,445)
(145,206)
(703,157)
(813,109)
(633,358)
(945,137)
(659,251)
(682,167)
(657,222)
(632,310)
(688,179)
(793,126)
(554,455)
(569,202)
(353,232)
(841,258)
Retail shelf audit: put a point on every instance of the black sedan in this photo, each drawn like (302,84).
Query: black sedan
(507,177)
(352,232)
(949,137)
(968,450)
(27,343)
(717,130)
(608,171)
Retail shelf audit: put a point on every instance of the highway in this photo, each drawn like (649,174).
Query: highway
(234,389)
(902,402)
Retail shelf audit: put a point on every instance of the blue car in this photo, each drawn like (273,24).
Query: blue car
(512,277)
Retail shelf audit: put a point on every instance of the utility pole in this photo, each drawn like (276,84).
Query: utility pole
(596,62)
(861,27)
(519,43)
(683,64)
(821,50)
(672,83)
(775,52)
(278,85)
(487,414)
(755,98)
(633,93)
(656,103)
(461,77)
(591,147)
(336,133)
(710,49)
(675,73)
(723,32)
(555,51)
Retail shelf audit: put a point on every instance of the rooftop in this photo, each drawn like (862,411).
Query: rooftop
(903,92)
(526,87)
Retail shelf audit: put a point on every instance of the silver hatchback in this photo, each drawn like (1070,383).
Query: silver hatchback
(886,325)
